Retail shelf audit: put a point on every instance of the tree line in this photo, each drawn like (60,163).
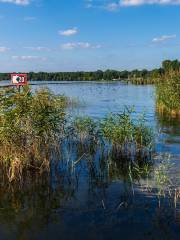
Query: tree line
(136,76)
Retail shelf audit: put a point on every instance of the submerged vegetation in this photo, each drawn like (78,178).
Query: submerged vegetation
(39,140)
(36,130)
(58,169)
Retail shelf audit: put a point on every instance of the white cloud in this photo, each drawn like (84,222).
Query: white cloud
(79,45)
(163,38)
(39,48)
(29,58)
(68,32)
(17,2)
(115,5)
(143,2)
(4,49)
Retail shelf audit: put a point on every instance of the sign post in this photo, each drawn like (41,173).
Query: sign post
(19,80)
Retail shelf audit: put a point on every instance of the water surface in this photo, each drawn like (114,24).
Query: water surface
(93,208)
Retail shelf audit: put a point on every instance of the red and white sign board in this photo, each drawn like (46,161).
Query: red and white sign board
(19,79)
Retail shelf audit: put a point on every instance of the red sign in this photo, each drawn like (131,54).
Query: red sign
(19,79)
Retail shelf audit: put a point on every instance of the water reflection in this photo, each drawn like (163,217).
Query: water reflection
(169,140)
(92,193)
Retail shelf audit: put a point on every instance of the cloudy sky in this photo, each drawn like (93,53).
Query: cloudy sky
(71,35)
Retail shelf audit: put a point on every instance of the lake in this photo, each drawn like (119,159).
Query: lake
(90,207)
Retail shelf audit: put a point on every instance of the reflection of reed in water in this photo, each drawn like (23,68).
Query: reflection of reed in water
(168,125)
(85,180)
(177,216)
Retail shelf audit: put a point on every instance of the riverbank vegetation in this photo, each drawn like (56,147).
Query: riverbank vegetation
(47,154)
(168,90)
(31,126)
(35,129)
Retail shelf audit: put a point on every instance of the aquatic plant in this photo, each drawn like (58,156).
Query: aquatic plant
(127,135)
(150,80)
(159,180)
(161,176)
(85,127)
(168,95)
(36,131)
(31,126)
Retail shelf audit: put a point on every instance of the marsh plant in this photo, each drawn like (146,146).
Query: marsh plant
(126,135)
(35,131)
(168,95)
(157,179)
(164,183)
(86,128)
(31,126)
(37,138)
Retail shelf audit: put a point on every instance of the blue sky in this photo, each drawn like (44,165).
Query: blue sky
(71,35)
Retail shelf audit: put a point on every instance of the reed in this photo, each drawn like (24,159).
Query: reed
(86,128)
(144,81)
(31,126)
(168,95)
(36,131)
(126,135)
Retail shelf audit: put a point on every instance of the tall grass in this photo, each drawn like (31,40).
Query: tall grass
(168,95)
(145,81)
(35,131)
(127,134)
(31,125)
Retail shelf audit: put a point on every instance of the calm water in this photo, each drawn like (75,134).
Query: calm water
(91,208)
